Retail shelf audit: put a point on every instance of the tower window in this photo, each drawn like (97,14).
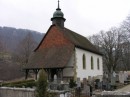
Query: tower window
(92,65)
(98,65)
(84,61)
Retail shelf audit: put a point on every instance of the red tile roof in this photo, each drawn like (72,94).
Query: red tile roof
(56,48)
(55,57)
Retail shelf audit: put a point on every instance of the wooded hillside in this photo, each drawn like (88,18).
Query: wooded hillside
(16,46)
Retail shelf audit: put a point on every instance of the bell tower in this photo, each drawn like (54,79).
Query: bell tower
(58,17)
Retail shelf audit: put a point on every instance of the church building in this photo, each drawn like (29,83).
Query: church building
(65,53)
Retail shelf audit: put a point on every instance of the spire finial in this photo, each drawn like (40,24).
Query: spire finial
(58,4)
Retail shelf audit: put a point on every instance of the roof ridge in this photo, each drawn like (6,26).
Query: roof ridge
(79,41)
(75,32)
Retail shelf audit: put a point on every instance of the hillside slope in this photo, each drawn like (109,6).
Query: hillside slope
(12,41)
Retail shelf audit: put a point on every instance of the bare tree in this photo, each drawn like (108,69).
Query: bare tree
(125,29)
(3,49)
(115,46)
(126,25)
(1,44)
(110,44)
(125,64)
(24,49)
(96,40)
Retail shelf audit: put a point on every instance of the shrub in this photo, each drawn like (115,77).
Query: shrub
(72,83)
(25,83)
(41,89)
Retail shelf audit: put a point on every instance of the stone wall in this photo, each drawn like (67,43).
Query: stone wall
(113,94)
(16,92)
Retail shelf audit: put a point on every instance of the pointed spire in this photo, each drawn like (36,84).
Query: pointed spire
(58,17)
(58,5)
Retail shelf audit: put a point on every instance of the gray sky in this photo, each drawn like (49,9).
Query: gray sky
(85,17)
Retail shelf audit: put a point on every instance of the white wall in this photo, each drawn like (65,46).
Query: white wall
(68,71)
(84,73)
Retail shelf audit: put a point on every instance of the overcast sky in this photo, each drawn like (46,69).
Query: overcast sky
(85,17)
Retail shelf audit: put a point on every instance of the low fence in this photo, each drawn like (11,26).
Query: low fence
(26,92)
(112,96)
(16,92)
(29,92)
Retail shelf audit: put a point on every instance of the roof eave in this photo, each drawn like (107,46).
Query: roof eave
(99,53)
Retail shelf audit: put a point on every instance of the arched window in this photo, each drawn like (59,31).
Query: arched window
(84,61)
(98,66)
(92,65)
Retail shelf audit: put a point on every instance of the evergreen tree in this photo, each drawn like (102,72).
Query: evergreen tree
(41,90)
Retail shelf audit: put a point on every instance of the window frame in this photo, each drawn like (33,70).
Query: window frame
(98,64)
(84,61)
(92,63)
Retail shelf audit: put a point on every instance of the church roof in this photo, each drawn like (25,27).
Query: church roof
(55,57)
(80,41)
(58,45)
(58,56)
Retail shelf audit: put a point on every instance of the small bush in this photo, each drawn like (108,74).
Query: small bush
(20,84)
(72,83)
(41,89)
